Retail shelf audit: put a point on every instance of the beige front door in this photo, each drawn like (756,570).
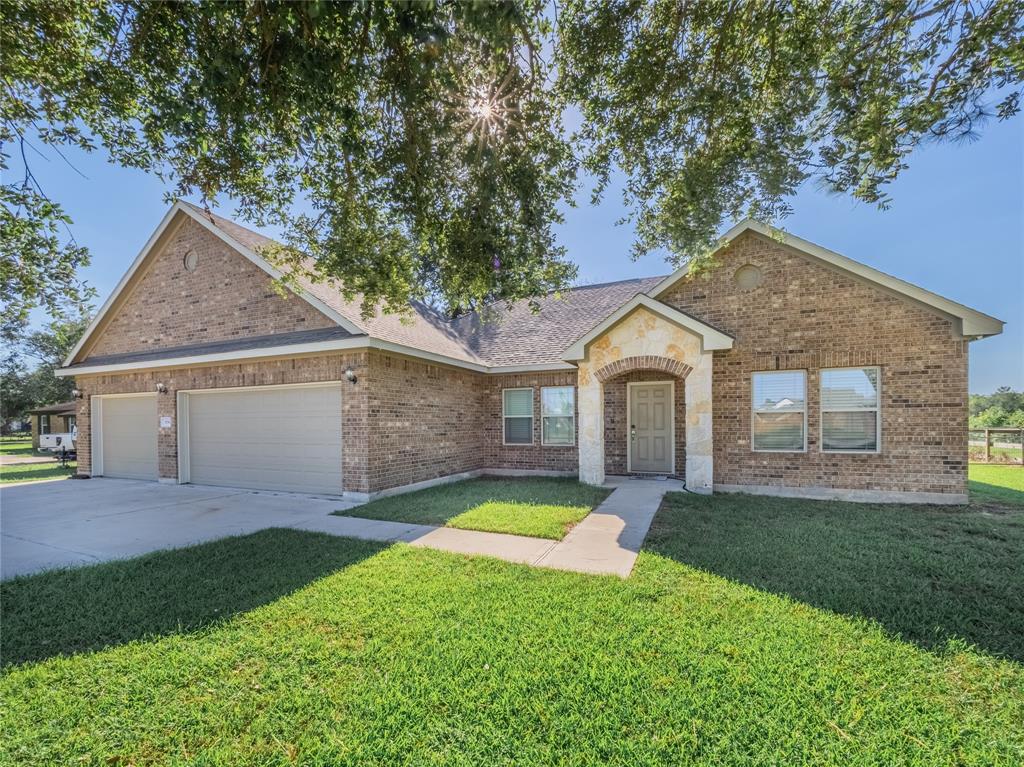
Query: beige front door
(650,427)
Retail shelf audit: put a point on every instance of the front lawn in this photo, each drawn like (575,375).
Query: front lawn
(542,507)
(32,472)
(16,446)
(996,485)
(928,574)
(289,647)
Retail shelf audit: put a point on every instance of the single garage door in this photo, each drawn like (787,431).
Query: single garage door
(267,438)
(128,436)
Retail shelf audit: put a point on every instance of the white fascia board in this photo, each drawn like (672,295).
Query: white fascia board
(153,238)
(973,324)
(711,338)
(262,263)
(539,367)
(316,347)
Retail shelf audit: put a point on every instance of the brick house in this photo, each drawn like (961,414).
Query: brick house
(785,369)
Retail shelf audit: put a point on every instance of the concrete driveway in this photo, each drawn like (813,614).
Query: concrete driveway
(77,522)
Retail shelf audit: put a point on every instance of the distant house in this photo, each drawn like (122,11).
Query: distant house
(785,369)
(53,419)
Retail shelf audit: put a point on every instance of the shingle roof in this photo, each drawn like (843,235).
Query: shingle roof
(60,408)
(518,336)
(217,347)
(513,335)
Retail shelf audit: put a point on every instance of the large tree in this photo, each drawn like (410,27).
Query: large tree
(424,141)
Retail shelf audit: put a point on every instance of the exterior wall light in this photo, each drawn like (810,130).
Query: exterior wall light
(350,375)
(76,393)
(161,387)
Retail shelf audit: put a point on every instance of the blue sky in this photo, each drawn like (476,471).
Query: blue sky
(956,227)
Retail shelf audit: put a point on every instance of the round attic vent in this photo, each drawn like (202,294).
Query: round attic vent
(748,277)
(191,261)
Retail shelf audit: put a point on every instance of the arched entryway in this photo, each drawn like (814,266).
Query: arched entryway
(644,416)
(641,338)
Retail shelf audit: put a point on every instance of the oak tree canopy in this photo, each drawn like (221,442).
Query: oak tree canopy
(421,149)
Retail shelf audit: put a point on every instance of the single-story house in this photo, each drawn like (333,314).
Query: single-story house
(784,369)
(53,419)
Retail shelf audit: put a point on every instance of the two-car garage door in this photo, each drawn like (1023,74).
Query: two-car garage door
(272,438)
(266,438)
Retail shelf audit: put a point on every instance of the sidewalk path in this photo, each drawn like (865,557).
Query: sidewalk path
(605,542)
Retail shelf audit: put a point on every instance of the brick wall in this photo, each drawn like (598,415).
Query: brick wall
(425,420)
(532,457)
(355,413)
(227,296)
(616,424)
(807,316)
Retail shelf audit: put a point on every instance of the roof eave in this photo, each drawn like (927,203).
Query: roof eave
(972,323)
(712,339)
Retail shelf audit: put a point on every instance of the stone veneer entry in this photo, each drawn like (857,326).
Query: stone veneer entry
(645,341)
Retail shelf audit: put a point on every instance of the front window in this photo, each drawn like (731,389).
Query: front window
(44,424)
(558,415)
(779,419)
(517,413)
(850,413)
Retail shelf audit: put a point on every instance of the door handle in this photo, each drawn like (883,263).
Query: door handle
(632,433)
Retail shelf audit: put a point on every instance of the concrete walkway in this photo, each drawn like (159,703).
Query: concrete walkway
(68,523)
(606,542)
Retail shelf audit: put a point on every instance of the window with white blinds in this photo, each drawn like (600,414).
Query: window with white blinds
(517,413)
(779,418)
(558,415)
(850,411)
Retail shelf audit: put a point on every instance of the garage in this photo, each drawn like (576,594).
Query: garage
(125,444)
(264,437)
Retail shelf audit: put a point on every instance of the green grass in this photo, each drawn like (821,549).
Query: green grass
(928,574)
(996,485)
(543,507)
(18,446)
(410,656)
(32,472)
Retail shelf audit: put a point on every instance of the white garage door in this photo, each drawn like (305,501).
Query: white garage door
(128,436)
(267,438)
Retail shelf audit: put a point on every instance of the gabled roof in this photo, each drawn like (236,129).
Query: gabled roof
(182,208)
(973,324)
(712,339)
(517,335)
(503,339)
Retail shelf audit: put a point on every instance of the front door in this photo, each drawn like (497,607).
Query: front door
(650,427)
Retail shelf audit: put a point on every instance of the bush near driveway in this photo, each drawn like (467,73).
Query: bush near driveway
(412,656)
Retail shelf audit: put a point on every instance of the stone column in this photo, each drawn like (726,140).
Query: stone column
(590,405)
(699,441)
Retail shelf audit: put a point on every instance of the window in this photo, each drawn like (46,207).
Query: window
(558,415)
(44,424)
(517,411)
(850,415)
(779,422)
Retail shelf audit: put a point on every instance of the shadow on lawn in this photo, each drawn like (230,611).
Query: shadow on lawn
(926,574)
(167,592)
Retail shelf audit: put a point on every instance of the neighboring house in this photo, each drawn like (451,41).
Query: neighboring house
(785,369)
(53,419)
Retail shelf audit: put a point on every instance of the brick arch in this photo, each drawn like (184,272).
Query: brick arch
(644,362)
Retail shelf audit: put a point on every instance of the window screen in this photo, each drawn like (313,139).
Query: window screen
(517,410)
(558,415)
(850,420)
(780,411)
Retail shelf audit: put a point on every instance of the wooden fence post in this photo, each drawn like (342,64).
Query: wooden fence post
(988,449)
